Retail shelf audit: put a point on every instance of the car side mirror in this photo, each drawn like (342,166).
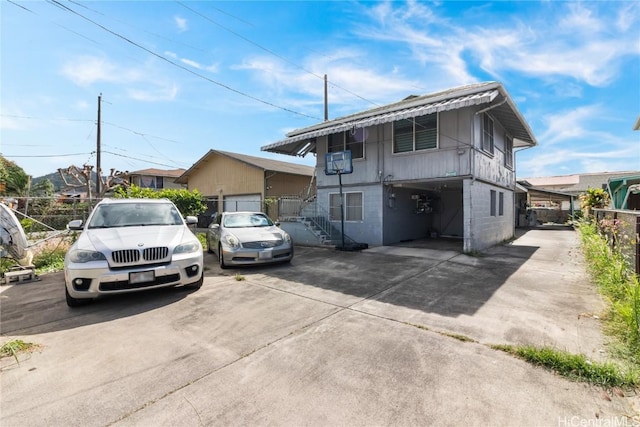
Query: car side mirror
(76,224)
(277,223)
(191,220)
(214,226)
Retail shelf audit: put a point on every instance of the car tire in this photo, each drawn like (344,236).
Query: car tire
(75,302)
(198,284)
(221,258)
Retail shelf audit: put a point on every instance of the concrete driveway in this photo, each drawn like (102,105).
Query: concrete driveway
(388,336)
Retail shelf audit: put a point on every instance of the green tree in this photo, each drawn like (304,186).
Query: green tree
(15,178)
(187,202)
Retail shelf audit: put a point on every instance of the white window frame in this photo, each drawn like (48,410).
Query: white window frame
(488,140)
(508,151)
(346,195)
(492,202)
(413,146)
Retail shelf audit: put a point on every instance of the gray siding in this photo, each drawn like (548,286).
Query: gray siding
(369,230)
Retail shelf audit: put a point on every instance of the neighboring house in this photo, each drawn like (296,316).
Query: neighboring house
(575,184)
(156,179)
(234,182)
(434,165)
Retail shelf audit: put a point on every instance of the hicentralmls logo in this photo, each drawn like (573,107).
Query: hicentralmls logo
(576,421)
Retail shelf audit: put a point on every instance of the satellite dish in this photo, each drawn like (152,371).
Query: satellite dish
(12,237)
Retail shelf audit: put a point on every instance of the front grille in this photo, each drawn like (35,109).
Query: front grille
(124,284)
(131,256)
(263,244)
(126,256)
(155,254)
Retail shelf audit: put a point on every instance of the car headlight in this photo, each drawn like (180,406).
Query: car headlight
(83,255)
(187,248)
(286,237)
(232,241)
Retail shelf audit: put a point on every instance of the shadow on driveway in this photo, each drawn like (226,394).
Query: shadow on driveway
(450,285)
(39,307)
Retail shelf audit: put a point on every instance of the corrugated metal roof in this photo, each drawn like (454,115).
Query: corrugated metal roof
(302,141)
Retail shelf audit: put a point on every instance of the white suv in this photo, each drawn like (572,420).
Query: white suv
(129,245)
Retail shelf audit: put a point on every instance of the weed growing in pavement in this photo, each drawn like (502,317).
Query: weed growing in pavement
(239,277)
(575,366)
(12,348)
(619,285)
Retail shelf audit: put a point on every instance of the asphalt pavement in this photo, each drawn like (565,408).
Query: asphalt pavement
(395,335)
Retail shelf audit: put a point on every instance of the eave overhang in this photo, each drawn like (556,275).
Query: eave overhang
(302,141)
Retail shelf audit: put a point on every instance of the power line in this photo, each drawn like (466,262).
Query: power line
(45,155)
(133,158)
(157,55)
(273,53)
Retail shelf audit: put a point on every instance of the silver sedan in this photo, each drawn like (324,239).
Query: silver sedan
(244,238)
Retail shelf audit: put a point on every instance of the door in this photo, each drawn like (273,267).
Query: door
(250,202)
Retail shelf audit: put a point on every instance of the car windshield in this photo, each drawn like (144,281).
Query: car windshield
(134,214)
(246,220)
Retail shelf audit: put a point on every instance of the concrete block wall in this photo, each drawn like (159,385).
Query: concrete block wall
(482,229)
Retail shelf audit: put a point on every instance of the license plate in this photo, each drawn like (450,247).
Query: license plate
(142,277)
(265,255)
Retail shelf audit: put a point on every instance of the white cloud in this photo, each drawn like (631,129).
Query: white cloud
(572,160)
(565,125)
(191,63)
(156,93)
(578,42)
(181,23)
(141,84)
(86,70)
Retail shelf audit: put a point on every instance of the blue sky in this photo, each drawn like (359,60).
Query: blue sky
(179,78)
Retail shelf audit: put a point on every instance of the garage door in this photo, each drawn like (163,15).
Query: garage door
(242,203)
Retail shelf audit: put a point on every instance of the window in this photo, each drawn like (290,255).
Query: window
(350,140)
(493,203)
(419,133)
(334,207)
(487,133)
(501,204)
(508,151)
(352,206)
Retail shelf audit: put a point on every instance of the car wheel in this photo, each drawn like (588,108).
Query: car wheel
(221,258)
(75,302)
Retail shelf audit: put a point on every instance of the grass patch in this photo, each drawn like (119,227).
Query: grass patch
(12,348)
(49,260)
(619,286)
(575,366)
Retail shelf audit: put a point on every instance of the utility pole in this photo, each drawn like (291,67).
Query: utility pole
(326,100)
(98,150)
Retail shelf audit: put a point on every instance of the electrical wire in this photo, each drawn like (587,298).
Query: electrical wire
(175,64)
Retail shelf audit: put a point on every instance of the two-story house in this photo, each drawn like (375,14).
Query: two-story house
(428,166)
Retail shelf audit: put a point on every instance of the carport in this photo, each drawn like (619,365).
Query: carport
(430,210)
(538,205)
